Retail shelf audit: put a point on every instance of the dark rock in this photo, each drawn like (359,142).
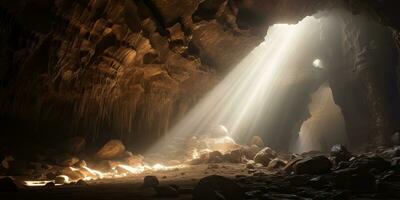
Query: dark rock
(236,156)
(150,181)
(276,164)
(217,187)
(290,165)
(391,153)
(185,191)
(340,153)
(352,178)
(112,149)
(343,165)
(298,180)
(265,156)
(318,182)
(81,182)
(366,163)
(313,165)
(166,191)
(50,185)
(251,151)
(62,179)
(7,185)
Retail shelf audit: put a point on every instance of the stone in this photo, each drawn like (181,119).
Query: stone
(112,149)
(61,179)
(313,165)
(150,181)
(276,164)
(7,185)
(75,145)
(218,187)
(251,151)
(366,163)
(352,178)
(236,156)
(50,185)
(391,153)
(215,157)
(265,156)
(340,153)
(81,182)
(166,191)
(257,140)
(134,160)
(290,165)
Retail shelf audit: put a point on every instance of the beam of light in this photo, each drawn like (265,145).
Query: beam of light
(240,99)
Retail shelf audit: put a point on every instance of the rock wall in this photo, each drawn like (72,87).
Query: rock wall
(131,68)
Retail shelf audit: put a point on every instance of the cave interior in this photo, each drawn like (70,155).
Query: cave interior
(199,99)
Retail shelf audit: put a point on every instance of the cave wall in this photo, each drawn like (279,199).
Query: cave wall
(131,68)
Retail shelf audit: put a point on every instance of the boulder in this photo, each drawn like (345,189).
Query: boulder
(257,140)
(313,165)
(352,178)
(150,181)
(367,163)
(340,153)
(251,151)
(112,149)
(7,185)
(290,165)
(276,164)
(236,156)
(62,179)
(265,156)
(218,187)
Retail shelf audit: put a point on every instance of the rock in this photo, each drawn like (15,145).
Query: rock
(218,187)
(215,157)
(134,160)
(150,181)
(7,185)
(340,153)
(352,178)
(290,165)
(236,156)
(276,164)
(5,163)
(81,182)
(112,149)
(50,185)
(75,145)
(318,182)
(265,156)
(61,179)
(257,140)
(391,153)
(251,151)
(313,165)
(366,163)
(166,191)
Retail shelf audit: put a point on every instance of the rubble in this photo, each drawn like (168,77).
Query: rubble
(112,149)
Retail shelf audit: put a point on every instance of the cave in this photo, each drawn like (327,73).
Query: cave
(199,99)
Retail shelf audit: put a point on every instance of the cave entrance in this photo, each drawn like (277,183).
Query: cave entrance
(325,127)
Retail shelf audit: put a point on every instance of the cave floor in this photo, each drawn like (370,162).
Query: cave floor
(258,184)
